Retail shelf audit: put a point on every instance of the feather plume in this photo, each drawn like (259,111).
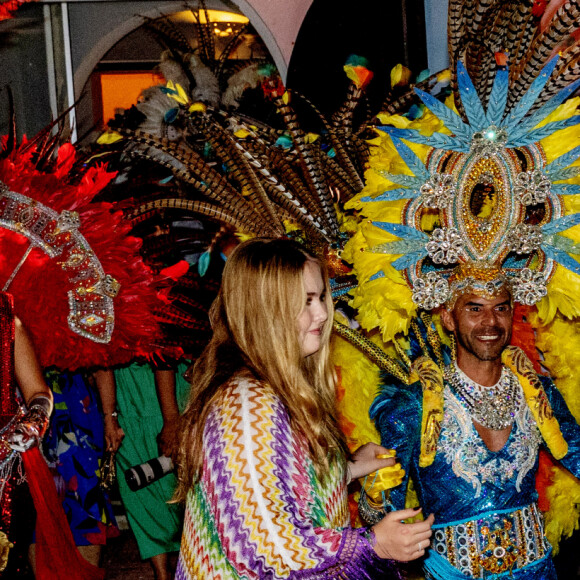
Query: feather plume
(206,83)
(543,46)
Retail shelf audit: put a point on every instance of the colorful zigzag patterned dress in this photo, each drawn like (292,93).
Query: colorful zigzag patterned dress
(258,510)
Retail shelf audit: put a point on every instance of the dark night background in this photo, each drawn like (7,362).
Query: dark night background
(386,33)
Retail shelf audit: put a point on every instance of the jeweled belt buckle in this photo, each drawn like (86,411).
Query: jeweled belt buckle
(499,554)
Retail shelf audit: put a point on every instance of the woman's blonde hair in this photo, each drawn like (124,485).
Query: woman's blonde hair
(255,330)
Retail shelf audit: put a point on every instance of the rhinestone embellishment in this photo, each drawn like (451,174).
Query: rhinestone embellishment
(488,141)
(493,407)
(532,187)
(524,239)
(438,191)
(529,286)
(430,291)
(445,246)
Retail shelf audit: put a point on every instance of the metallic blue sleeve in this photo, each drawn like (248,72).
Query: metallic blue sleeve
(397,415)
(568,425)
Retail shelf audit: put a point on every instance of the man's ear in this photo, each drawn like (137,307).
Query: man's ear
(447,320)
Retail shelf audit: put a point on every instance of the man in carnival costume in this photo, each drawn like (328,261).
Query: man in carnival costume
(469,439)
(479,235)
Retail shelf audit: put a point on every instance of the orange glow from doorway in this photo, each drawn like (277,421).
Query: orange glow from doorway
(121,90)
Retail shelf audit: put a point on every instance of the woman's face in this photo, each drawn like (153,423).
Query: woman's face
(314,314)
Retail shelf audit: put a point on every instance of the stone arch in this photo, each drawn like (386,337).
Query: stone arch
(95,32)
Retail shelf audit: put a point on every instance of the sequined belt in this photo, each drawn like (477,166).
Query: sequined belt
(494,543)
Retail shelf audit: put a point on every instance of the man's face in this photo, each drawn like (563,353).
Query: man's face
(482,326)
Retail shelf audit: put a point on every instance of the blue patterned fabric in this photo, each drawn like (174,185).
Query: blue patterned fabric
(467,480)
(73,446)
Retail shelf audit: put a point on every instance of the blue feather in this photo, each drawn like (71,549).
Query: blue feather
(470,100)
(451,119)
(561,224)
(401,231)
(565,189)
(543,132)
(406,180)
(498,98)
(535,118)
(411,160)
(377,275)
(562,258)
(409,260)
(203,263)
(400,247)
(392,195)
(438,140)
(528,100)
(567,173)
(563,161)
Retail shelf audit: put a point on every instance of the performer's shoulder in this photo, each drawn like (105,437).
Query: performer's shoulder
(395,395)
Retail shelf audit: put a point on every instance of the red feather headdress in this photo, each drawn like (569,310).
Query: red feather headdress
(79,283)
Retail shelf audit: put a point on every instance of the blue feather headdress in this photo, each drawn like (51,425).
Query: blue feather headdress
(497,203)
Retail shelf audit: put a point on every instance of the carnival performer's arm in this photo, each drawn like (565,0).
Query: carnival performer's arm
(273,518)
(105,380)
(568,425)
(36,393)
(165,385)
(397,415)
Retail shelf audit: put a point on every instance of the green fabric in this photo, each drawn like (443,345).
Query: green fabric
(155,523)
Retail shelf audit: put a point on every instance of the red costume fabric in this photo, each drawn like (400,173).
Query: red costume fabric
(56,554)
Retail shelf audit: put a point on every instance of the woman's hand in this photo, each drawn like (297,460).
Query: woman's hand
(113,433)
(368,458)
(404,542)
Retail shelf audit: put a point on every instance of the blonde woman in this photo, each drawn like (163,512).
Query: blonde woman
(263,469)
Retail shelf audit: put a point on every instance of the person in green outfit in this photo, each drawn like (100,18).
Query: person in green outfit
(141,405)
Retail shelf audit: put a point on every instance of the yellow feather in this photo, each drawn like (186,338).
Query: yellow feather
(359,383)
(559,343)
(563,292)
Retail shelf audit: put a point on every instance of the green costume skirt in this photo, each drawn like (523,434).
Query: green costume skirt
(155,523)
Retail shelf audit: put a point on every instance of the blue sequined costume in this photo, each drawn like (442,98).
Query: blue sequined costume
(486,519)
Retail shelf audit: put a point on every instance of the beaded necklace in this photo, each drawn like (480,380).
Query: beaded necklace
(493,407)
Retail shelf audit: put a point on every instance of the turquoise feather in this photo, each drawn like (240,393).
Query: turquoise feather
(563,161)
(451,119)
(498,98)
(437,140)
(530,122)
(470,100)
(563,243)
(392,195)
(405,180)
(542,132)
(565,189)
(203,263)
(377,275)
(562,258)
(399,247)
(401,231)
(561,224)
(567,173)
(411,160)
(409,260)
